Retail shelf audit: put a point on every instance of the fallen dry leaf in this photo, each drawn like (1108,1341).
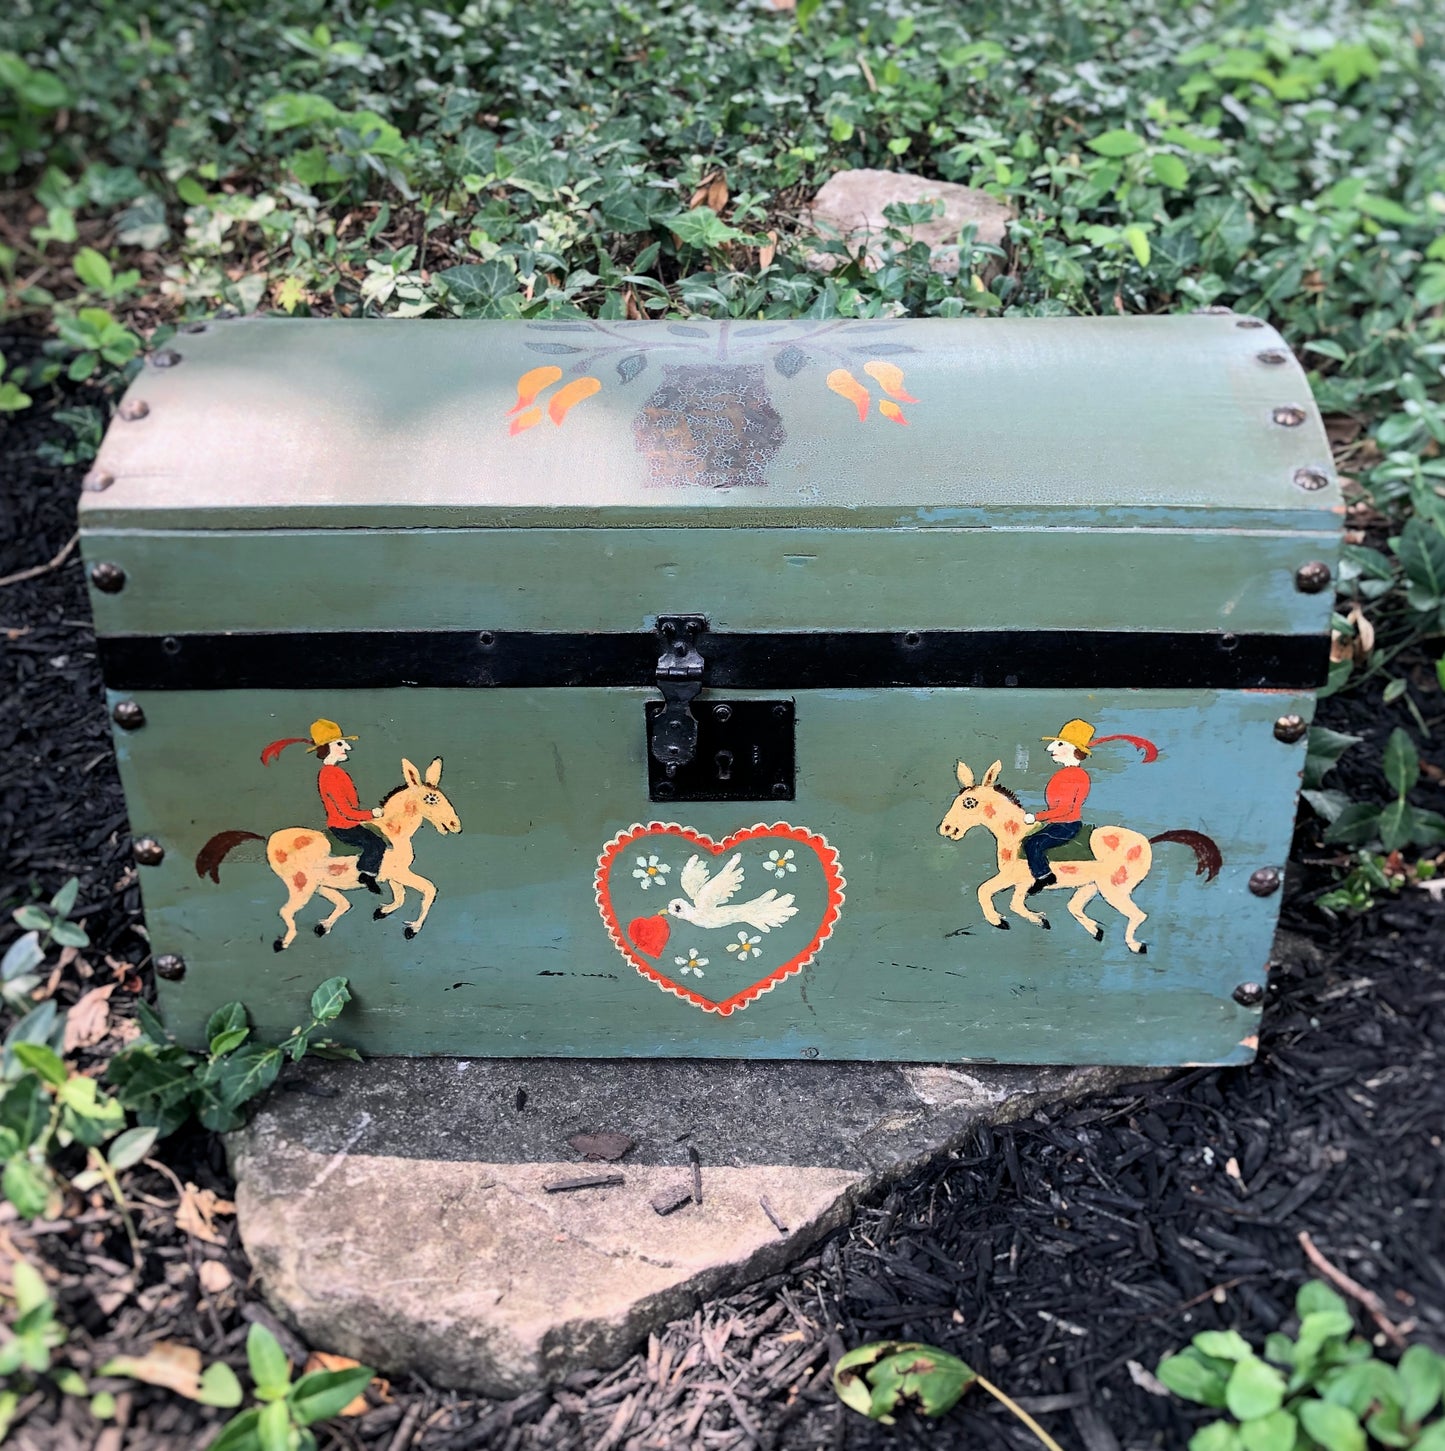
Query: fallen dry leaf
(89,1020)
(168,1364)
(381,1389)
(767,253)
(214,1277)
(606,1146)
(197,1211)
(712,191)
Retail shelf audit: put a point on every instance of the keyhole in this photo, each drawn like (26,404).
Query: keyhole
(724,765)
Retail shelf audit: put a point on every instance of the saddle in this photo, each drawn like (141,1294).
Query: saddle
(1076,849)
(339,847)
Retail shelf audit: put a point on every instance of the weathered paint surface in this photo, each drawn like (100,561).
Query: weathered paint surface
(794,579)
(362,423)
(514,958)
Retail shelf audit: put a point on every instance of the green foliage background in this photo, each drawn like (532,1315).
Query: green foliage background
(499,159)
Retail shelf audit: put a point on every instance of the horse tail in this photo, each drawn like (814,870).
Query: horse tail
(1207,858)
(215,851)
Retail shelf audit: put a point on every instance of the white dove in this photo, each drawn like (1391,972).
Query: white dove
(709,894)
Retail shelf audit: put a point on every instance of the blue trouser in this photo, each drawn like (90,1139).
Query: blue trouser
(1048,836)
(373,847)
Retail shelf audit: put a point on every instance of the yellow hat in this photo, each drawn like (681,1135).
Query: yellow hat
(1076,733)
(323,733)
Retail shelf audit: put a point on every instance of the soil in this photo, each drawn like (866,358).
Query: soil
(1063,1256)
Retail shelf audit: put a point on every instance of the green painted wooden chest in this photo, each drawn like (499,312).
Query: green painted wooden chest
(882,689)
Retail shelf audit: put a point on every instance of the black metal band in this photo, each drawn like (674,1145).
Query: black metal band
(861,659)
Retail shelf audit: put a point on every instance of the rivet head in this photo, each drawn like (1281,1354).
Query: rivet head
(1311,480)
(1265,882)
(1289,415)
(107,577)
(723,712)
(1273,357)
(164,358)
(148,851)
(1289,729)
(1249,994)
(1215,310)
(170,966)
(97,481)
(134,408)
(128,715)
(1311,578)
(1249,322)
(780,790)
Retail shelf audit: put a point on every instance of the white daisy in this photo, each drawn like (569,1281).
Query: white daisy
(692,963)
(745,946)
(649,870)
(779,864)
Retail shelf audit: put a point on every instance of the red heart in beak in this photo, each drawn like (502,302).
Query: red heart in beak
(650,934)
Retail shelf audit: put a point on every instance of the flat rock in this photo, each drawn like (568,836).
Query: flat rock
(851,203)
(397,1210)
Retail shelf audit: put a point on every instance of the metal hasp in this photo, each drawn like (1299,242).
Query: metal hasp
(672,737)
(717,750)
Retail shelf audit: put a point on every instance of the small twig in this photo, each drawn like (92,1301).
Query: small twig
(36,570)
(101,1165)
(867,72)
(696,1175)
(407,1430)
(772,1214)
(1013,1408)
(1356,1291)
(593,1181)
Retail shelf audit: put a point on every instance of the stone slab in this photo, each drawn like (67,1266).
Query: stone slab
(397,1210)
(850,205)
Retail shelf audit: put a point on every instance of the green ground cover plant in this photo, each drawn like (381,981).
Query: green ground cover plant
(653,159)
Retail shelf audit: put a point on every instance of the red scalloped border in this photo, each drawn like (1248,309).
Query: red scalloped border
(820,845)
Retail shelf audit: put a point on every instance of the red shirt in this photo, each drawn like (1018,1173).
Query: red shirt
(1066,792)
(338,796)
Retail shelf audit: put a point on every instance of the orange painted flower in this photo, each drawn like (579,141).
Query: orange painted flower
(523,421)
(565,399)
(529,385)
(889,379)
(891,411)
(843,383)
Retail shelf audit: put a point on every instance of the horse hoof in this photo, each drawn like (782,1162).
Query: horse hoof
(409,933)
(1046,924)
(1140,950)
(1097,934)
(1001,925)
(378,915)
(278,946)
(320,929)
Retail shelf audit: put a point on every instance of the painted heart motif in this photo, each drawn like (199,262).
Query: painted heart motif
(719,923)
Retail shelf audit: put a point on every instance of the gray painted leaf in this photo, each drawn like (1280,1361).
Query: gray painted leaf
(791,361)
(629,367)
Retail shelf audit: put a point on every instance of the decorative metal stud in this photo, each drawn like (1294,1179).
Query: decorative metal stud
(148,851)
(194,327)
(97,481)
(1265,882)
(1250,322)
(1311,480)
(108,578)
(128,715)
(164,358)
(1273,356)
(1289,729)
(1289,415)
(1311,578)
(170,966)
(1249,994)
(134,408)
(1215,310)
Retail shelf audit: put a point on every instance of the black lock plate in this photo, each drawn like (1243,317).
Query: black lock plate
(746,751)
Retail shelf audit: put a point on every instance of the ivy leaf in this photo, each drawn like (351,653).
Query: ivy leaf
(1421,550)
(226,1020)
(1355,825)
(1117,143)
(43,1062)
(21,956)
(26,1186)
(128,1149)
(1169,170)
(1277,1431)
(329,999)
(1402,762)
(240,1076)
(1397,824)
(1324,749)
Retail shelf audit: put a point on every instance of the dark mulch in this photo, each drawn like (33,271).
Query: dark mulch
(1052,1254)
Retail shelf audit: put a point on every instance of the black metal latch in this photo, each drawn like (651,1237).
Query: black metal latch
(717,750)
